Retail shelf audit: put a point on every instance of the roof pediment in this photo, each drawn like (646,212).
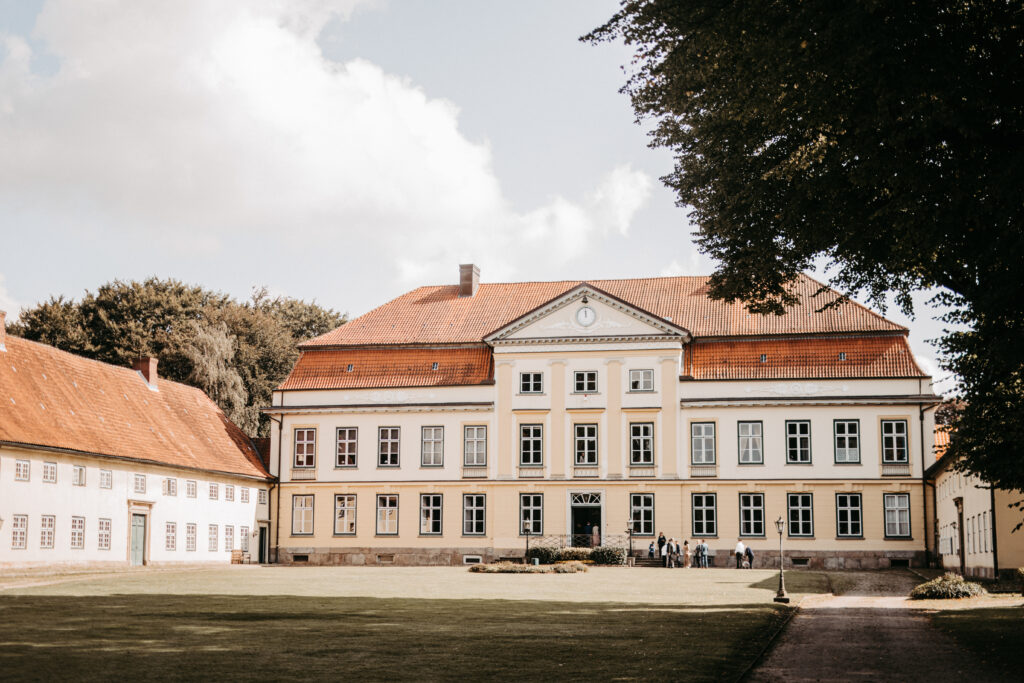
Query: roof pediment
(586,313)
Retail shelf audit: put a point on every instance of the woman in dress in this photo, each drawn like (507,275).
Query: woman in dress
(686,554)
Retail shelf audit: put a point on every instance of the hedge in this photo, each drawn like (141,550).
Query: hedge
(946,587)
(604,555)
(516,568)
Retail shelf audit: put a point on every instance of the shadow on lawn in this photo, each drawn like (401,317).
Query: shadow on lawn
(182,637)
(995,634)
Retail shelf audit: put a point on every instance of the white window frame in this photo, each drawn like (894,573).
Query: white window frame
(229,493)
(47,531)
(19,532)
(641,513)
(347,447)
(585,382)
(641,444)
(474,445)
(191,531)
(702,443)
(531,382)
(78,475)
(474,514)
(139,483)
(304,448)
(895,442)
(261,497)
(431,514)
(214,491)
(846,442)
(212,538)
(104,526)
(752,515)
(641,380)
(77,533)
(849,515)
(345,514)
(387,514)
(106,479)
(704,507)
(800,515)
(750,434)
(243,495)
(243,539)
(22,470)
(897,515)
(191,488)
(170,486)
(531,445)
(229,538)
(389,446)
(585,453)
(531,511)
(302,514)
(797,451)
(49,473)
(432,446)
(170,536)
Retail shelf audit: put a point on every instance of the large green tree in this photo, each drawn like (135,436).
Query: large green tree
(884,140)
(236,352)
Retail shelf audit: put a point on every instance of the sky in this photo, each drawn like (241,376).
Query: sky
(339,151)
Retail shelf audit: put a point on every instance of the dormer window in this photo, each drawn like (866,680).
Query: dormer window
(764,357)
(350,368)
(433,366)
(842,355)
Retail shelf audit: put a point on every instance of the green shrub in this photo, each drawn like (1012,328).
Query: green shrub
(543,554)
(946,587)
(516,568)
(573,554)
(569,568)
(604,555)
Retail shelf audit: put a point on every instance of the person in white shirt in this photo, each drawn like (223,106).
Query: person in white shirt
(740,550)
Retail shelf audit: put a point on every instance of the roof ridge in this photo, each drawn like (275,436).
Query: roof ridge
(854,302)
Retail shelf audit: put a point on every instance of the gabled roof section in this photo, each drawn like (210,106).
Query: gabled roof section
(54,399)
(438,315)
(612,321)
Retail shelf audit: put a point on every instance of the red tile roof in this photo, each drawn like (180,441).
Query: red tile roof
(817,358)
(941,441)
(438,315)
(393,367)
(55,399)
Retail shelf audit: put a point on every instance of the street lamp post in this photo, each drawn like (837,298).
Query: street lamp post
(629,532)
(526,532)
(781,596)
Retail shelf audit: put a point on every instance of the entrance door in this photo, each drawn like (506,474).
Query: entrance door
(138,555)
(586,519)
(263,545)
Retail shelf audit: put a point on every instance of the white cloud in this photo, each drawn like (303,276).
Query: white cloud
(693,264)
(7,302)
(195,124)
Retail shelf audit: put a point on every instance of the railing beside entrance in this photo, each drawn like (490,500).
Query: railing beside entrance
(580,541)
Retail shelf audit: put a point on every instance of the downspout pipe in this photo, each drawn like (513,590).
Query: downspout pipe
(922,409)
(277,516)
(995,548)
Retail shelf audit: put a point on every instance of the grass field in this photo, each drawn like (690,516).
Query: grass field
(994,634)
(395,623)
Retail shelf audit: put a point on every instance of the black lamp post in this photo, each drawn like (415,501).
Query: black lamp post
(526,532)
(629,532)
(781,596)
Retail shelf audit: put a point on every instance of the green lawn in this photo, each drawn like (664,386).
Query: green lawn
(381,624)
(995,634)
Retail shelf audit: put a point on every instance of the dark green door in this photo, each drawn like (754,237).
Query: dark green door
(138,539)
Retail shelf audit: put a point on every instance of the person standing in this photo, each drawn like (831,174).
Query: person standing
(749,554)
(661,544)
(686,554)
(740,550)
(650,551)
(595,537)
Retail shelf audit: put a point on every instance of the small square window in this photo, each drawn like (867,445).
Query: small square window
(214,491)
(531,382)
(78,475)
(106,479)
(244,494)
(641,380)
(139,483)
(585,381)
(229,492)
(170,486)
(22,469)
(50,472)
(190,488)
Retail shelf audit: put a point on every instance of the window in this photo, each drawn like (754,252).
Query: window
(387,515)
(229,492)
(798,442)
(19,532)
(531,383)
(531,513)
(140,483)
(190,488)
(171,536)
(244,494)
(77,532)
(430,514)
(229,538)
(345,514)
(641,443)
(103,539)
(894,441)
(474,451)
(50,472)
(243,538)
(641,513)
(705,519)
(751,514)
(170,486)
(897,515)
(848,515)
(22,468)
(387,450)
(302,515)
(586,382)
(750,436)
(586,444)
(474,506)
(847,438)
(432,448)
(305,448)
(801,514)
(531,444)
(214,491)
(348,441)
(261,497)
(78,475)
(190,538)
(641,380)
(47,525)
(106,479)
(212,539)
(702,443)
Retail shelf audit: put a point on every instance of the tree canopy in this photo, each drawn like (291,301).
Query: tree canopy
(236,352)
(881,139)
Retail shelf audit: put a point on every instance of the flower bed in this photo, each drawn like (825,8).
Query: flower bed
(516,568)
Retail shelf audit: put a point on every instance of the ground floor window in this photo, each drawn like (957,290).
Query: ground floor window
(474,508)
(531,513)
(190,538)
(302,515)
(47,525)
(212,540)
(751,514)
(430,514)
(104,534)
(229,538)
(19,532)
(848,515)
(705,518)
(243,538)
(801,514)
(387,515)
(897,515)
(345,513)
(78,532)
(641,513)
(171,536)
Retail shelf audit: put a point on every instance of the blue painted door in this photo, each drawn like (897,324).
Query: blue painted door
(138,539)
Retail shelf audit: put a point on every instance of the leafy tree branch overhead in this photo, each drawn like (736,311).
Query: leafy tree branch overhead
(883,138)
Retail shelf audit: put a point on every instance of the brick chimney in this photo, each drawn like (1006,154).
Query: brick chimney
(3,330)
(469,279)
(147,366)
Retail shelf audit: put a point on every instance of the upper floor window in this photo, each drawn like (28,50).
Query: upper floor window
(586,381)
(190,488)
(244,494)
(474,452)
(106,479)
(50,472)
(586,444)
(847,438)
(641,380)
(22,469)
(432,448)
(229,492)
(140,483)
(261,497)
(170,486)
(348,440)
(751,442)
(641,443)
(702,443)
(798,441)
(387,448)
(305,448)
(78,475)
(531,444)
(894,441)
(531,382)
(214,491)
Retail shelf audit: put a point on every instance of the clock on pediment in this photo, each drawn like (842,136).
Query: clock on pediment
(586,316)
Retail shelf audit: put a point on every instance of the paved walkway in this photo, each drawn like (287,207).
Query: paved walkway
(866,637)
